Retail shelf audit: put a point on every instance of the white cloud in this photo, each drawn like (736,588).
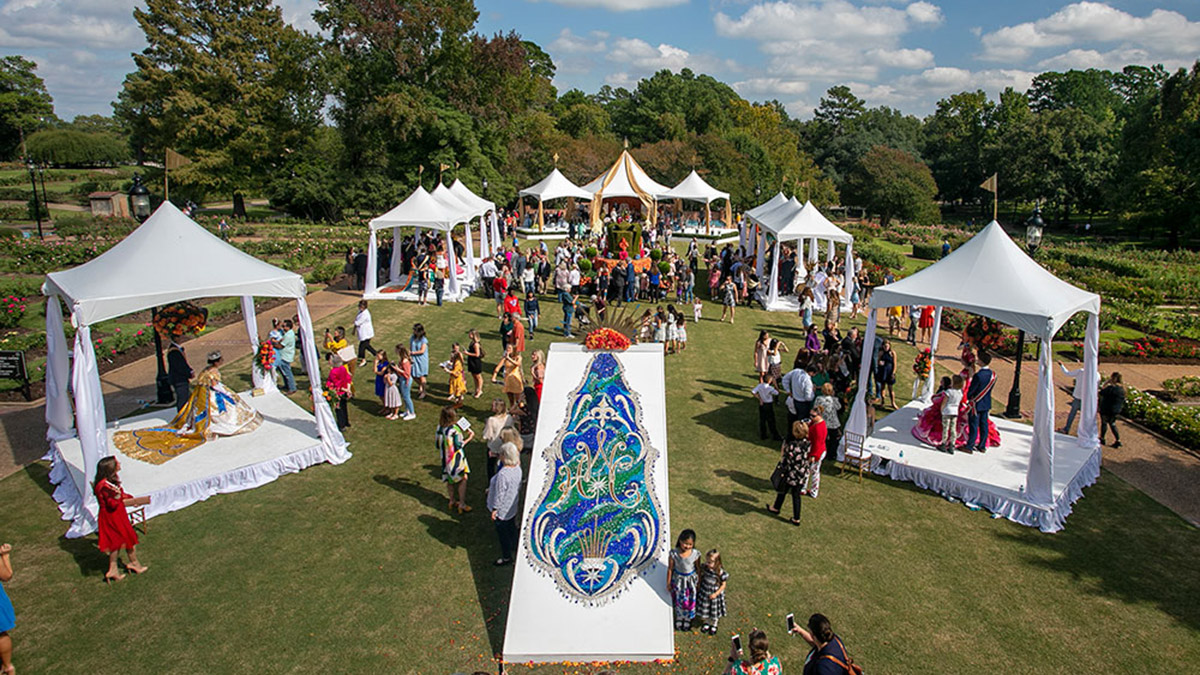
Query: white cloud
(1083,59)
(909,59)
(1164,35)
(570,43)
(620,5)
(645,57)
(924,12)
(770,86)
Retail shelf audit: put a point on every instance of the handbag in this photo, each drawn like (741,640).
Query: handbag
(347,353)
(850,666)
(777,478)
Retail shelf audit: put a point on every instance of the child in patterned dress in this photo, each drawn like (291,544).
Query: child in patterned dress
(710,593)
(680,332)
(681,579)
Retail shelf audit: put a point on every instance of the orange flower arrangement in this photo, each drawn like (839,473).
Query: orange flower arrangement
(606,338)
(179,318)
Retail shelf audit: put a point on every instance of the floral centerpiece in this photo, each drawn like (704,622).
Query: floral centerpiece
(264,358)
(984,333)
(606,338)
(174,320)
(923,364)
(616,332)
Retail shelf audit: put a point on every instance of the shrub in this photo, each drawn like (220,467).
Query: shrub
(10,233)
(656,254)
(585,265)
(872,252)
(590,252)
(927,251)
(1188,385)
(325,273)
(1178,423)
(11,212)
(12,310)
(76,148)
(664,267)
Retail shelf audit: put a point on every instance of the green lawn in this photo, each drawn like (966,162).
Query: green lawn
(360,568)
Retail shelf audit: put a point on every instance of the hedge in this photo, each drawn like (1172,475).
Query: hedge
(927,251)
(1178,423)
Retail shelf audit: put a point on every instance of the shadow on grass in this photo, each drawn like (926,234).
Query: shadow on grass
(89,558)
(473,534)
(735,503)
(1118,544)
(737,419)
(39,472)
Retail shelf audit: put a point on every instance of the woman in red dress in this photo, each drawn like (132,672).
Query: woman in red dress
(116,532)
(926,324)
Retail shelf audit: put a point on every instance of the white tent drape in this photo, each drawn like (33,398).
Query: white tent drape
(1039,478)
(331,436)
(830,250)
(857,421)
(848,280)
(927,388)
(773,292)
(759,245)
(264,381)
(91,422)
(1088,434)
(370,284)
(469,247)
(496,239)
(59,421)
(397,259)
(484,251)
(452,266)
(812,250)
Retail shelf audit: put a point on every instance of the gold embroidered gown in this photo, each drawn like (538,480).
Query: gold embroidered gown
(212,410)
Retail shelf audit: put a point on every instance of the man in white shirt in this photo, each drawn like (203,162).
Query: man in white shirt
(574,277)
(364,330)
(799,387)
(1076,395)
(487,272)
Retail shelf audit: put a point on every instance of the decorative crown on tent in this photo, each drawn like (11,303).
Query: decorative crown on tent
(616,332)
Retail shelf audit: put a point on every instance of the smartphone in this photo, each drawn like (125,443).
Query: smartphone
(737,643)
(791,622)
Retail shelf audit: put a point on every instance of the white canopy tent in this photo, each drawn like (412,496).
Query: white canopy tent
(790,221)
(696,189)
(169,258)
(553,186)
(488,226)
(991,276)
(440,211)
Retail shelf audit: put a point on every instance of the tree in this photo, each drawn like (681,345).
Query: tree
(24,101)
(229,84)
(840,152)
(68,147)
(670,105)
(891,183)
(956,136)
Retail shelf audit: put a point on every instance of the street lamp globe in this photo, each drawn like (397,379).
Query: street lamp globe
(139,199)
(1033,229)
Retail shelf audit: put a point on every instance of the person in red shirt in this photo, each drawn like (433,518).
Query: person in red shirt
(499,290)
(817,434)
(512,305)
(116,532)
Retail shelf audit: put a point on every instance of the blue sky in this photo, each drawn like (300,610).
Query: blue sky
(902,53)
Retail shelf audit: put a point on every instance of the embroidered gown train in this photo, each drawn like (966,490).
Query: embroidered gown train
(212,410)
(928,428)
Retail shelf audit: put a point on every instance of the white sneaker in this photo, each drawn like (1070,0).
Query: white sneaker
(410,416)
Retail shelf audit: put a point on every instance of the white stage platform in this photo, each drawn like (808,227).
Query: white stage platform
(544,625)
(547,233)
(994,480)
(286,442)
(392,291)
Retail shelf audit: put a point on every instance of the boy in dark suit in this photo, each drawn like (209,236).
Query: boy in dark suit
(979,396)
(178,373)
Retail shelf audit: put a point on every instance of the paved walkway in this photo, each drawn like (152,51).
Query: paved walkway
(1166,472)
(23,428)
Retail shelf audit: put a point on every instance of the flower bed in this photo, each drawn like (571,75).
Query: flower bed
(1187,386)
(1178,423)
(1146,350)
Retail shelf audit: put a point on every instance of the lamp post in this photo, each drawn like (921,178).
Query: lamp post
(37,207)
(1033,239)
(485,185)
(139,199)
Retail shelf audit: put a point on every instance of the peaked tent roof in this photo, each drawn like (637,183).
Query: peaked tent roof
(804,223)
(694,188)
(167,259)
(991,276)
(772,203)
(453,202)
(464,193)
(554,186)
(625,178)
(421,209)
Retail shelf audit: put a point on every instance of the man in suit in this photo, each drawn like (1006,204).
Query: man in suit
(979,397)
(178,373)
